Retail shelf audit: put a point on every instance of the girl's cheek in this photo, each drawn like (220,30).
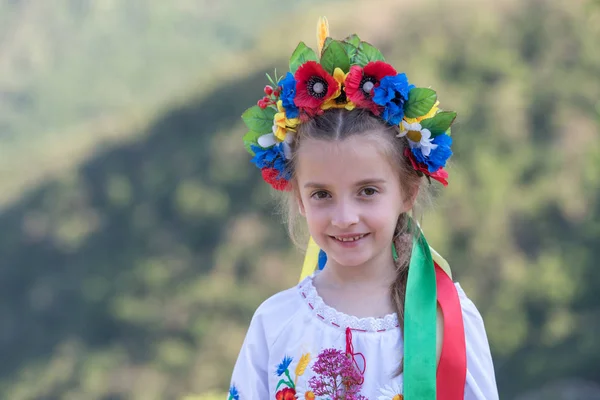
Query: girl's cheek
(319,215)
(318,212)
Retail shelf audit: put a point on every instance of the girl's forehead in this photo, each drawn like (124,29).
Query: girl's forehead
(353,159)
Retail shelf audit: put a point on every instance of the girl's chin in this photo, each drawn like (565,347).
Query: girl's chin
(346,260)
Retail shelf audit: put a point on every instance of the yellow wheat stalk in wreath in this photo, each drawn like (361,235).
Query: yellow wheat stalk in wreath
(322,32)
(301,367)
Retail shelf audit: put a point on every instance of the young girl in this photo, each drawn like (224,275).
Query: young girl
(356,146)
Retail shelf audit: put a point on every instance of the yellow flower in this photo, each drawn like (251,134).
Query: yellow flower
(430,114)
(322,32)
(339,99)
(283,124)
(302,364)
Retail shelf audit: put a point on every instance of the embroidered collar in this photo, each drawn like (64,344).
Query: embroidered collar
(331,316)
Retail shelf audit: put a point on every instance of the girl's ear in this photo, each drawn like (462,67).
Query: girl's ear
(410,200)
(301,206)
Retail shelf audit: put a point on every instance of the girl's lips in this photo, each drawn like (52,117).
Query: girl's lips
(349,240)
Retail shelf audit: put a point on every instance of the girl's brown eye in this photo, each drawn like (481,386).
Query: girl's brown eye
(320,194)
(369,191)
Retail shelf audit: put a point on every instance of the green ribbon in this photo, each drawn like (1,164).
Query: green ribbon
(420,324)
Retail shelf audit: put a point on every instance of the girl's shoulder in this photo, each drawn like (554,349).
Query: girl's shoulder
(480,379)
(277,313)
(280,303)
(468,308)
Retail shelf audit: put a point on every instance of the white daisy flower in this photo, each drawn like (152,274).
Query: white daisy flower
(303,392)
(417,137)
(270,139)
(392,392)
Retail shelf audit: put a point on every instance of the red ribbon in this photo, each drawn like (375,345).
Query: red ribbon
(452,367)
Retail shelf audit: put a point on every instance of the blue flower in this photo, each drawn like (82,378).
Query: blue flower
(271,157)
(438,156)
(393,113)
(288,93)
(391,93)
(284,365)
(233,393)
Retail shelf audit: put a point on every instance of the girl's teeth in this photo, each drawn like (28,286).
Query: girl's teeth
(352,239)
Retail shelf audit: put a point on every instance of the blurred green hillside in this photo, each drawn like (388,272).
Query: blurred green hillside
(77,74)
(136,240)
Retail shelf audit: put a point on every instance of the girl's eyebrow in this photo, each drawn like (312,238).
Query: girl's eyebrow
(370,181)
(314,185)
(363,182)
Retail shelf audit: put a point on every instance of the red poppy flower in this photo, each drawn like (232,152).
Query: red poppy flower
(441,175)
(271,176)
(360,83)
(313,87)
(286,394)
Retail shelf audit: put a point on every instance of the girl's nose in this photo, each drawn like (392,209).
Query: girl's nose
(344,215)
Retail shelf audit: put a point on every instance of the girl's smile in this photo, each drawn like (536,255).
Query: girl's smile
(350,241)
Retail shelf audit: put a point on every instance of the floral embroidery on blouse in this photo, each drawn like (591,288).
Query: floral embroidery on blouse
(288,392)
(336,377)
(233,393)
(391,392)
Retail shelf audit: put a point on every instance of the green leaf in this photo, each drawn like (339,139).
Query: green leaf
(259,120)
(291,382)
(334,56)
(367,53)
(277,77)
(440,123)
(351,44)
(282,382)
(420,101)
(251,138)
(302,54)
(351,52)
(271,80)
(326,44)
(353,40)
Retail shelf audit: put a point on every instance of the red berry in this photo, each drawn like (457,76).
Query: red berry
(261,103)
(268,90)
(277,92)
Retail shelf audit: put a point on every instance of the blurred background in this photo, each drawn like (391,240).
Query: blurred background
(136,239)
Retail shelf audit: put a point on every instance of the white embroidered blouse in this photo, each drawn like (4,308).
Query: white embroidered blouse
(291,331)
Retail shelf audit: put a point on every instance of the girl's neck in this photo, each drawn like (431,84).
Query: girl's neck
(377,272)
(361,290)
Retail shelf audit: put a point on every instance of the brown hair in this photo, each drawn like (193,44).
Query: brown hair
(338,125)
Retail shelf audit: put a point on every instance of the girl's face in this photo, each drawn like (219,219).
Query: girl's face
(351,197)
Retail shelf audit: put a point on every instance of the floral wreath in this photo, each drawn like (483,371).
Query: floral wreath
(348,74)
